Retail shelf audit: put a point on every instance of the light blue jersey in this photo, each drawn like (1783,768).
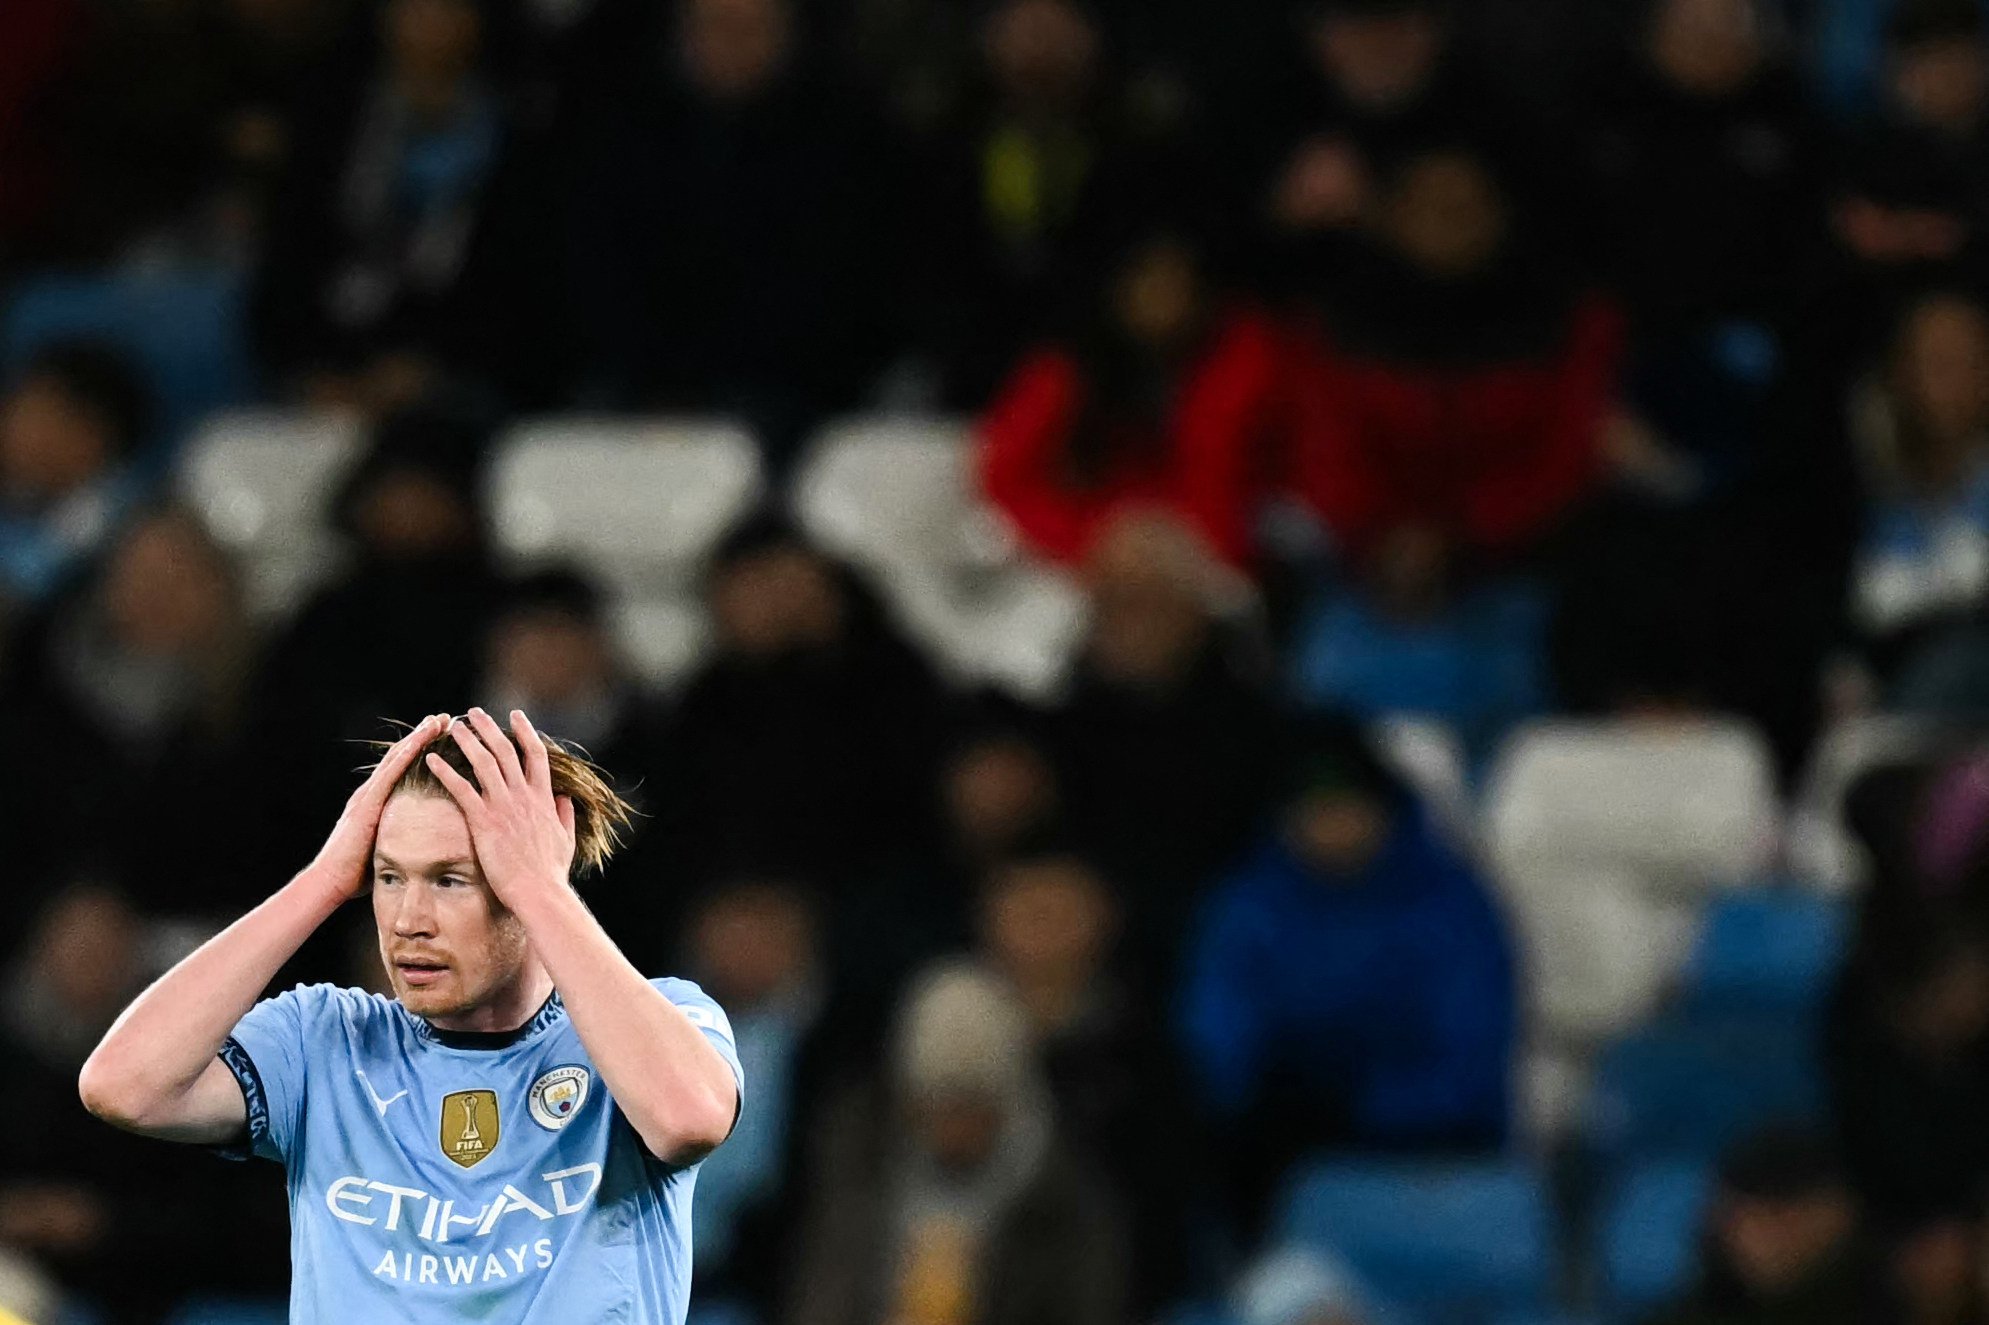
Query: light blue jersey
(438,1176)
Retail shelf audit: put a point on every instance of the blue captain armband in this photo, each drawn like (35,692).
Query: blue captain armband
(254,1098)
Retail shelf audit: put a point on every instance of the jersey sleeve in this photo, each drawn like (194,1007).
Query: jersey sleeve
(708,1017)
(267,1054)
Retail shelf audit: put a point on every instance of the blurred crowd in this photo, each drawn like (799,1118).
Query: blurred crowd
(1478,360)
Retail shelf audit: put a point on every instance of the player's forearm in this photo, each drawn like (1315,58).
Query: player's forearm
(159,1047)
(675,1089)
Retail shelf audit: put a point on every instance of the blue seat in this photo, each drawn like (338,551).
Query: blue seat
(1765,952)
(183,329)
(1649,1233)
(230,1311)
(1688,1088)
(1447,1241)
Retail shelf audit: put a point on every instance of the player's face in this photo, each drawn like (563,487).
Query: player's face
(450,948)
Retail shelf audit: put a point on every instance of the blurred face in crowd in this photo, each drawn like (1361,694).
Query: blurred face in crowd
(86,952)
(779,600)
(408,514)
(1158,295)
(1936,1269)
(752,941)
(1047,922)
(1446,215)
(1942,83)
(958,1129)
(1941,378)
(736,49)
(996,791)
(51,443)
(1338,832)
(1381,63)
(1149,613)
(1041,53)
(449,947)
(433,41)
(1706,47)
(167,591)
(545,657)
(1773,1245)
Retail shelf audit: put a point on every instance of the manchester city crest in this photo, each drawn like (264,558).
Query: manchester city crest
(557,1096)
(469,1126)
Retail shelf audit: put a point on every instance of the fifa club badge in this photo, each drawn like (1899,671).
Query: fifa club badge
(557,1096)
(469,1126)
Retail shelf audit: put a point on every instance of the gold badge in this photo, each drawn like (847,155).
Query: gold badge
(469,1125)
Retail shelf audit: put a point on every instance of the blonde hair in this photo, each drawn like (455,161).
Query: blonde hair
(601,816)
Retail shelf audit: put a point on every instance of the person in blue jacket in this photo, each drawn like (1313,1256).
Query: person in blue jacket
(1351,985)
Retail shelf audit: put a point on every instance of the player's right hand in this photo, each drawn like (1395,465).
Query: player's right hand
(345,862)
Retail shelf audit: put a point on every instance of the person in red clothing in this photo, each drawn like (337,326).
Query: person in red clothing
(1457,391)
(1165,403)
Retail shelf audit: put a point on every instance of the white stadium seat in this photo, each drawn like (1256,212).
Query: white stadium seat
(1607,838)
(897,498)
(262,481)
(637,503)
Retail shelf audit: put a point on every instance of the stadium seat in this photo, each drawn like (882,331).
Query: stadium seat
(1765,952)
(1459,1241)
(640,504)
(1686,1089)
(1648,1234)
(1428,754)
(897,499)
(183,329)
(262,481)
(1607,839)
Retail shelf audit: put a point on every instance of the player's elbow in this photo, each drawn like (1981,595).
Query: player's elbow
(107,1093)
(696,1125)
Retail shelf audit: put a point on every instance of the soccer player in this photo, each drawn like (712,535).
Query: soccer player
(514,1136)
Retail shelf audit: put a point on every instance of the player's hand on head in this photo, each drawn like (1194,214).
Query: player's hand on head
(523,833)
(346,859)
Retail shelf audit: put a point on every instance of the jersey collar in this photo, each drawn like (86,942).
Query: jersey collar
(549,1012)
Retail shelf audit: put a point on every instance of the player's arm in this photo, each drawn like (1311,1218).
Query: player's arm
(675,1088)
(156,1071)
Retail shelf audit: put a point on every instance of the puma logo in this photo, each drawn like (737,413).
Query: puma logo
(378,1103)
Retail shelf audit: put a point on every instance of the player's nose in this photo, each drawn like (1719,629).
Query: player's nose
(414,913)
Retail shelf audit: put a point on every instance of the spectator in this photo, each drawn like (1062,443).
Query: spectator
(1457,388)
(1049,928)
(1783,1243)
(1923,432)
(1165,401)
(1162,742)
(1916,178)
(397,631)
(394,252)
(805,743)
(1021,186)
(1351,984)
(754,945)
(733,214)
(126,1229)
(68,428)
(134,688)
(1298,1286)
(1709,263)
(943,1194)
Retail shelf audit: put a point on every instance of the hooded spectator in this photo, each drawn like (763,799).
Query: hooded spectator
(1351,984)
(944,1195)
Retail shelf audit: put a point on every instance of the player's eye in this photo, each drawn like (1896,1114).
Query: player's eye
(386,879)
(453,881)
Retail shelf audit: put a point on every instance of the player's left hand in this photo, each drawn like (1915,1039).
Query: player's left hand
(522,832)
